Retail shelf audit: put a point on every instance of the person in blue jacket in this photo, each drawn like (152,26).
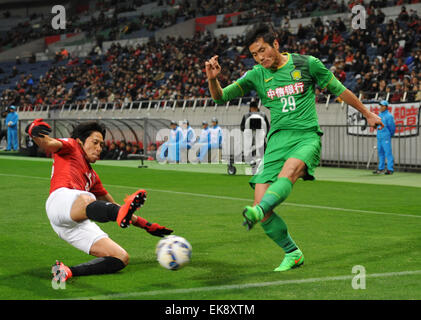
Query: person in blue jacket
(384,140)
(174,141)
(11,123)
(204,143)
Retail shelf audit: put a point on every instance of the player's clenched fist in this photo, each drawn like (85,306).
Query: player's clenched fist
(38,128)
(374,121)
(212,68)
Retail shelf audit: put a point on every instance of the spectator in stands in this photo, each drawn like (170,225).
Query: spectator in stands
(127,100)
(145,69)
(417,90)
(15,72)
(403,15)
(411,91)
(397,93)
(401,68)
(382,90)
(380,16)
(64,54)
(359,86)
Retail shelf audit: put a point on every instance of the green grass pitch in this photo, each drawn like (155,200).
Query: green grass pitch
(337,224)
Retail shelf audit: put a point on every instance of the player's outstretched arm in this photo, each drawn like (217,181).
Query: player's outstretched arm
(38,130)
(373,120)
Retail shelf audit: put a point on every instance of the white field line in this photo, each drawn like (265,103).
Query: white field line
(247,200)
(243,286)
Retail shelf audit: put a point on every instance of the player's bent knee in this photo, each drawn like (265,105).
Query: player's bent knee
(78,211)
(125,258)
(107,247)
(293,170)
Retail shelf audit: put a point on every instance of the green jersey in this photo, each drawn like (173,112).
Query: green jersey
(288,92)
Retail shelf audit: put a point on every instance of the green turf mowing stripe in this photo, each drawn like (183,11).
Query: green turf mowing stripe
(244,286)
(239,199)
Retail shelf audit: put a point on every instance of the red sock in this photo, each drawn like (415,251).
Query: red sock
(145,224)
(140,222)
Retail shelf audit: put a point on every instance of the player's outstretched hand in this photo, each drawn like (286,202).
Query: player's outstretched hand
(38,128)
(373,120)
(212,68)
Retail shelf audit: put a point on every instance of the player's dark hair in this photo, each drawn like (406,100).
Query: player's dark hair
(262,30)
(85,129)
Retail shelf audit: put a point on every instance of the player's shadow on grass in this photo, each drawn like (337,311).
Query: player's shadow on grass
(29,284)
(223,273)
(36,283)
(212,272)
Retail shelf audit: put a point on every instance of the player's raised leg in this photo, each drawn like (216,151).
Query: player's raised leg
(269,196)
(85,207)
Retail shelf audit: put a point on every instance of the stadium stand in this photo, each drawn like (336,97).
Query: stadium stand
(381,61)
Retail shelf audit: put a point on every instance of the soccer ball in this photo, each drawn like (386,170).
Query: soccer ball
(173,252)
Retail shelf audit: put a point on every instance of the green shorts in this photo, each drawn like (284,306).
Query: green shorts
(285,144)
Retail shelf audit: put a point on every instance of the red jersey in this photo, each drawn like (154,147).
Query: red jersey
(71,170)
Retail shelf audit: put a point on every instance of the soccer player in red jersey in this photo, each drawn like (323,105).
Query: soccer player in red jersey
(77,198)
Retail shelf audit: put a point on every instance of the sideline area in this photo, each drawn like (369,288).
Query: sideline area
(408,179)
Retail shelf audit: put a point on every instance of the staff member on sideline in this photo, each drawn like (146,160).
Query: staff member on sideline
(11,122)
(384,140)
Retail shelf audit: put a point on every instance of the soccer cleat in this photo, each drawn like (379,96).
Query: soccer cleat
(61,272)
(378,171)
(131,204)
(388,172)
(291,260)
(252,215)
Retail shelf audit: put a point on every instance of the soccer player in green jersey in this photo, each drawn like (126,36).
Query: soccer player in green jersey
(285,83)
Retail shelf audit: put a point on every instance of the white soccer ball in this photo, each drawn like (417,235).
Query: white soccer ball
(173,252)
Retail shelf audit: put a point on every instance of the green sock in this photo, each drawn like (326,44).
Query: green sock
(276,229)
(276,194)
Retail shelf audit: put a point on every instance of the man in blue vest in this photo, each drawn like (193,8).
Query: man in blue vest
(384,140)
(216,141)
(11,122)
(189,139)
(174,141)
(204,143)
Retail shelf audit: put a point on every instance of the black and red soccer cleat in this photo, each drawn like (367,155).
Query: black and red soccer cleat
(131,204)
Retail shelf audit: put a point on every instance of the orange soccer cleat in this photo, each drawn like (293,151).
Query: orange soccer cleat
(131,204)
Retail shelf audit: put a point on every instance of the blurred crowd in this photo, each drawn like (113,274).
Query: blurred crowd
(122,150)
(105,23)
(384,59)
